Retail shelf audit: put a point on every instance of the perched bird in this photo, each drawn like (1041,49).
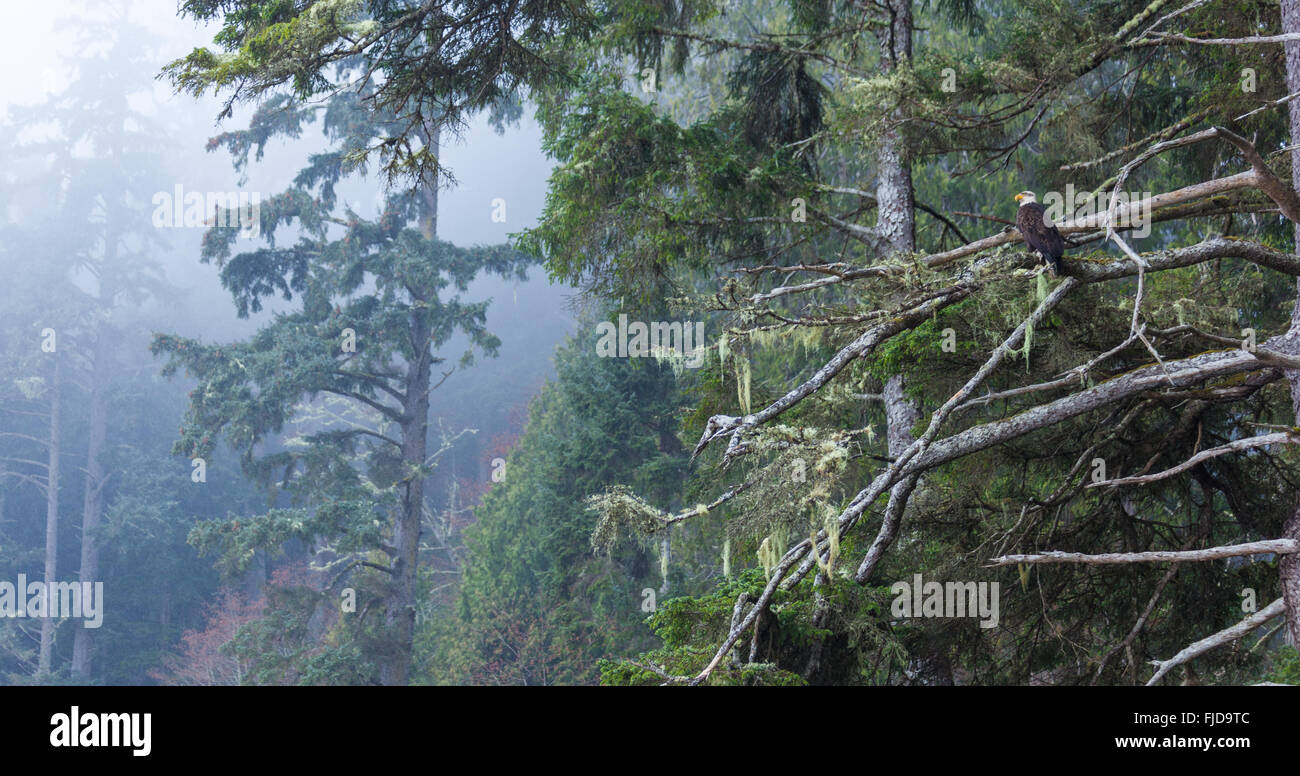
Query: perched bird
(1038,230)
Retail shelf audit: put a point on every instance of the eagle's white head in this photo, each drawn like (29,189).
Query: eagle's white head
(1026,197)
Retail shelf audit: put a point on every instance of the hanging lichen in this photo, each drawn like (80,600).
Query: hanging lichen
(770,551)
(831,525)
(619,509)
(1029,341)
(742,383)
(676,359)
(804,469)
(726,557)
(805,337)
(1040,295)
(663,560)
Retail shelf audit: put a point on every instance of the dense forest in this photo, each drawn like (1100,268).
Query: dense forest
(653,342)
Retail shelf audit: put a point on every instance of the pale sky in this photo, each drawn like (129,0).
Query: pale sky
(486,166)
(33,49)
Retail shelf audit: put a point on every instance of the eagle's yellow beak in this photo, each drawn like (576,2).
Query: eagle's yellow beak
(1019,197)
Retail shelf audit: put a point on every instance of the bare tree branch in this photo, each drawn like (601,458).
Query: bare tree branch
(1263,440)
(1275,546)
(1222,637)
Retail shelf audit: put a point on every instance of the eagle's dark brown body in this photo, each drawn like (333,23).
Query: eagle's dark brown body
(1040,234)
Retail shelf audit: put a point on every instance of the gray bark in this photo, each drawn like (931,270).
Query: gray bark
(1289,567)
(1181,373)
(51,521)
(896,225)
(1176,373)
(1089,272)
(399,613)
(895,214)
(896,218)
(901,415)
(93,503)
(1268,546)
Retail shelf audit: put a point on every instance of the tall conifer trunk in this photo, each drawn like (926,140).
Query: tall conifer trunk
(1290,564)
(48,623)
(93,502)
(896,225)
(895,214)
(400,612)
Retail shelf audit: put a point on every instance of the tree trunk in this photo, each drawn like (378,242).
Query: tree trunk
(1290,565)
(93,504)
(429,192)
(895,214)
(901,414)
(896,225)
(399,615)
(51,522)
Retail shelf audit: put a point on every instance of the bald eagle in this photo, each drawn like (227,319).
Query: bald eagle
(1038,230)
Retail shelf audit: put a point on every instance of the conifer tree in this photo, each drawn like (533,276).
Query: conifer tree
(775,185)
(377,300)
